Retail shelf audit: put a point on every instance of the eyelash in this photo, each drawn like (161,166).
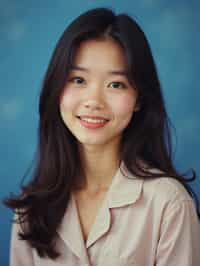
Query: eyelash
(123,85)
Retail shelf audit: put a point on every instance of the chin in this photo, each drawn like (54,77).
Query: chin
(90,142)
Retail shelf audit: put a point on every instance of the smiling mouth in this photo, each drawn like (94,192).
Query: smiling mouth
(92,123)
(92,120)
(92,117)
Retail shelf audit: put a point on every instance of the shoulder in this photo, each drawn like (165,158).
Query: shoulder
(166,188)
(161,189)
(165,199)
(165,195)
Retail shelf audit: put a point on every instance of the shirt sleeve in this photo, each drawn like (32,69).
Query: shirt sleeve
(179,242)
(20,250)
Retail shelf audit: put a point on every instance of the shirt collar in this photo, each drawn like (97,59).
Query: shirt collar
(125,188)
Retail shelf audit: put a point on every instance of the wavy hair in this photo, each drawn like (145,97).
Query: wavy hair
(58,169)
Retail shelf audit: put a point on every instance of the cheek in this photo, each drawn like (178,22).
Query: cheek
(123,106)
(68,101)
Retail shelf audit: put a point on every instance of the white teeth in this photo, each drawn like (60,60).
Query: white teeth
(91,120)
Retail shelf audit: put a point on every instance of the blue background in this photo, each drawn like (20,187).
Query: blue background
(29,31)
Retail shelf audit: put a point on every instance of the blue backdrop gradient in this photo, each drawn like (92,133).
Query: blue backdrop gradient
(29,31)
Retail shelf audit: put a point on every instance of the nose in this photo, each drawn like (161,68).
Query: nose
(94,99)
(93,105)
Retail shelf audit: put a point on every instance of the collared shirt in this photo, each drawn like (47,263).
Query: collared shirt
(141,222)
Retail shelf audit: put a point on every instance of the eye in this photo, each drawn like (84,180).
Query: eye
(117,84)
(77,80)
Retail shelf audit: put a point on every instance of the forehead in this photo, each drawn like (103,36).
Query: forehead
(106,54)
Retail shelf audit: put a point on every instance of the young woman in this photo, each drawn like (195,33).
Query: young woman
(105,190)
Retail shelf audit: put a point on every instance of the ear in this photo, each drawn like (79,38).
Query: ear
(137,107)
(137,104)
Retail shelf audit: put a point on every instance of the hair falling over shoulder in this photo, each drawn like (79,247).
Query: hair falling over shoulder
(58,169)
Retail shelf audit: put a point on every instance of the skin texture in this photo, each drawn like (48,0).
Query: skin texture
(98,92)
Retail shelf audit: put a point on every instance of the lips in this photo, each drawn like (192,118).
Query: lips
(93,117)
(92,123)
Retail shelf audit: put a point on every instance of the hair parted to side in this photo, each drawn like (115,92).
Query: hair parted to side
(58,168)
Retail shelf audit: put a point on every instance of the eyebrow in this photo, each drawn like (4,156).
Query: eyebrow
(113,72)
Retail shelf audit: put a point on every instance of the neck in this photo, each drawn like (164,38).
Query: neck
(101,164)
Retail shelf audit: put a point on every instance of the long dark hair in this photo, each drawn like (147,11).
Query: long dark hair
(58,170)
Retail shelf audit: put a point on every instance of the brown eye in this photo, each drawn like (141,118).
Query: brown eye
(77,80)
(118,85)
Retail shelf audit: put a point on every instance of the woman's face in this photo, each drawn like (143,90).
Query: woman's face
(97,87)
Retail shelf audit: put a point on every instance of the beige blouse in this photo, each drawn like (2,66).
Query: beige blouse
(140,223)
